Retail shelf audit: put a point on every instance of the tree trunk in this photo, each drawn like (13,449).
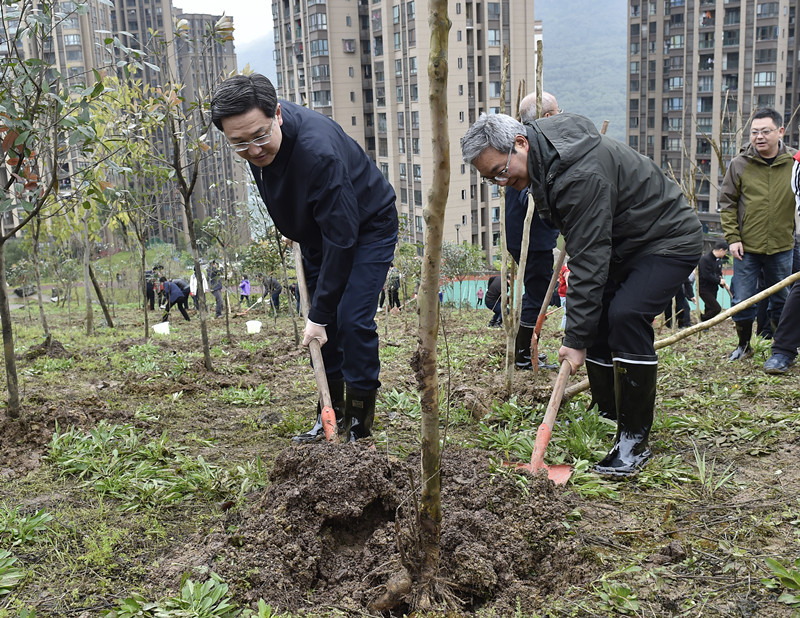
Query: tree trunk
(198,273)
(100,299)
(87,277)
(425,360)
(8,340)
(36,229)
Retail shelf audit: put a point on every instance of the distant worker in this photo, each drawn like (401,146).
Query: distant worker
(710,279)
(756,209)
(541,242)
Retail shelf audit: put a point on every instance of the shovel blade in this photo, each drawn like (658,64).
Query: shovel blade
(329,424)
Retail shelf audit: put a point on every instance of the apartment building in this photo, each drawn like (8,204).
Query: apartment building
(698,69)
(364,64)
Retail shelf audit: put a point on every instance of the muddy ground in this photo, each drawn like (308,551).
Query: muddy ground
(319,535)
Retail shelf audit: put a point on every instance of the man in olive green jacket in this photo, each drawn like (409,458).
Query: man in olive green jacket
(757,214)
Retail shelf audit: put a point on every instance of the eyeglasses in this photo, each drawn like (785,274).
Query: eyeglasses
(261,140)
(502,175)
(764,132)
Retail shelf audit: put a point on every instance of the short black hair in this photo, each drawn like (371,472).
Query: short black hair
(241,93)
(768,112)
(721,244)
(162,279)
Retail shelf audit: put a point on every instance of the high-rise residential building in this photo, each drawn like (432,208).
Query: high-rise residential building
(194,61)
(364,63)
(698,69)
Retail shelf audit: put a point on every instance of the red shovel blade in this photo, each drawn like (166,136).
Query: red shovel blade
(558,474)
(329,424)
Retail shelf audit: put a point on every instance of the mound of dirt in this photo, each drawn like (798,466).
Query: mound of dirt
(50,347)
(325,532)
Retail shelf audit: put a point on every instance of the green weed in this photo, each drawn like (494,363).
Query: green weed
(45,365)
(402,402)
(10,575)
(21,529)
(236,396)
(121,462)
(616,598)
(785,577)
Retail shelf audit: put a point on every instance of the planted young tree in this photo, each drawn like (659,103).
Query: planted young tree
(44,120)
(421,577)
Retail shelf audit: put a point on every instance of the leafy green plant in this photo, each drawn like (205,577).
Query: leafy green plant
(785,577)
(401,402)
(616,598)
(122,462)
(236,396)
(45,365)
(711,479)
(20,529)
(10,575)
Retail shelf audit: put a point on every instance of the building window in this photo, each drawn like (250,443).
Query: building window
(383,147)
(398,67)
(494,89)
(396,14)
(412,92)
(382,123)
(635,48)
(321,98)
(412,65)
(412,37)
(635,67)
(348,21)
(398,41)
(402,171)
(766,55)
(417,172)
(317,21)
(354,121)
(493,37)
(415,145)
(349,46)
(493,10)
(415,120)
(403,195)
(401,120)
(767,9)
(675,83)
(385,170)
(72,39)
(377,46)
(319,48)
(411,11)
(766,33)
(418,222)
(764,78)
(401,145)
(418,197)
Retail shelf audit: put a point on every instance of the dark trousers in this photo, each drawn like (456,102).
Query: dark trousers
(712,306)
(219,304)
(394,297)
(497,309)
(276,301)
(538,271)
(182,305)
(630,304)
(682,312)
(787,336)
(351,351)
(150,297)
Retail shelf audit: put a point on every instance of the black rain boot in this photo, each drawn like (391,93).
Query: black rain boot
(359,412)
(522,348)
(635,389)
(317,432)
(601,383)
(744,330)
(543,364)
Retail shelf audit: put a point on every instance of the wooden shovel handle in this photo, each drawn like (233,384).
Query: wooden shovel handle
(558,393)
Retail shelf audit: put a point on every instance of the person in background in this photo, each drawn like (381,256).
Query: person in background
(786,339)
(756,210)
(193,288)
(563,282)
(480,297)
(393,287)
(710,279)
(683,297)
(244,290)
(323,191)
(215,279)
(272,290)
(632,239)
(174,295)
(541,242)
(493,301)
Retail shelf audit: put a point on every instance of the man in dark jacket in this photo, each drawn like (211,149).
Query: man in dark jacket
(494,302)
(632,240)
(174,295)
(323,191)
(273,289)
(710,279)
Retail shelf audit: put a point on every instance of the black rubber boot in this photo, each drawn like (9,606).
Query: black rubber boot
(522,348)
(359,413)
(317,432)
(543,364)
(601,382)
(745,331)
(635,389)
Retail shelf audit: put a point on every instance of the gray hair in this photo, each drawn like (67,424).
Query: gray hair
(494,130)
(527,107)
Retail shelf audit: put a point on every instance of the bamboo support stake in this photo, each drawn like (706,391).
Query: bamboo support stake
(687,332)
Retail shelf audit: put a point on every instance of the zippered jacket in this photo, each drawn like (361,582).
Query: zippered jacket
(756,202)
(613,206)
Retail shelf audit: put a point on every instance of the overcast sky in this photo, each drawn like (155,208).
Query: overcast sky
(252,20)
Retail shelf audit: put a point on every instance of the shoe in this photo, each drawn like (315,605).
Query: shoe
(778,363)
(743,351)
(635,395)
(317,432)
(522,347)
(543,364)
(359,413)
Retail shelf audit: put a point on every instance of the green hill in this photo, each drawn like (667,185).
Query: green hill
(585,58)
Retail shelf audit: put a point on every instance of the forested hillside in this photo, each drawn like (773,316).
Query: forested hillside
(585,59)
